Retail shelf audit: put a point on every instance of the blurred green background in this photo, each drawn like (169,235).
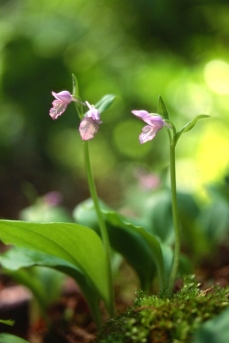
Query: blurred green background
(134,49)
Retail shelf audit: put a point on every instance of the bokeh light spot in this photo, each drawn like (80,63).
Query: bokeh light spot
(216,74)
(189,97)
(213,152)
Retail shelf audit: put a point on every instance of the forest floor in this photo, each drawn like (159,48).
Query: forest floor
(69,320)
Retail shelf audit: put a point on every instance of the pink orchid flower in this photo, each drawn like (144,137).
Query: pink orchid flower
(89,125)
(63,99)
(154,121)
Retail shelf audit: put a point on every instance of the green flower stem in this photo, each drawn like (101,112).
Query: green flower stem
(101,222)
(176,255)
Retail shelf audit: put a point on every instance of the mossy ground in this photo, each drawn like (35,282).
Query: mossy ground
(163,319)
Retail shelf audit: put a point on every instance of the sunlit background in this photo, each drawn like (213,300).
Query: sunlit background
(134,49)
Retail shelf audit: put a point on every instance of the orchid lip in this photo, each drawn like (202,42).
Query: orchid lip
(59,105)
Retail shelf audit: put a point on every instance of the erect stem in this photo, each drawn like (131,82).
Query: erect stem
(102,225)
(176,255)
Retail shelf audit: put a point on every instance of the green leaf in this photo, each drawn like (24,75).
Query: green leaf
(133,237)
(190,125)
(9,322)
(78,250)
(17,258)
(7,338)
(139,247)
(45,284)
(75,87)
(76,94)
(161,108)
(215,330)
(104,103)
(193,122)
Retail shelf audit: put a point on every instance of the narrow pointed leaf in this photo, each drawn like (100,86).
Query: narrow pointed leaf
(104,103)
(193,122)
(161,108)
(190,125)
(75,92)
(75,87)
(9,322)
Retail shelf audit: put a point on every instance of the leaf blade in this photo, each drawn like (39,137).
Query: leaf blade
(190,125)
(130,240)
(75,86)
(161,108)
(104,103)
(76,244)
(16,259)
(7,338)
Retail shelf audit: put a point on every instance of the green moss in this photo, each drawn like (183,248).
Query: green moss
(163,319)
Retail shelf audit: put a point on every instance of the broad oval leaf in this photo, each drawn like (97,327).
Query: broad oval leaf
(139,247)
(18,257)
(75,244)
(7,338)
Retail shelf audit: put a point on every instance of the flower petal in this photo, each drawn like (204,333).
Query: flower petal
(148,133)
(93,113)
(153,120)
(63,96)
(88,128)
(58,108)
(140,113)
